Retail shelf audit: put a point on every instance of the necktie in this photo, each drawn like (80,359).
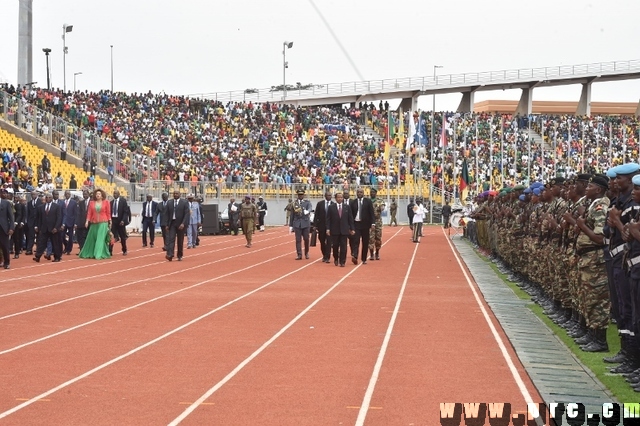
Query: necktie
(115,208)
(148,209)
(48,204)
(175,207)
(326,207)
(34,203)
(66,204)
(340,210)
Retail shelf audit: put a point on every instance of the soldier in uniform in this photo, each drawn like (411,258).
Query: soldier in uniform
(633,270)
(393,211)
(288,209)
(375,242)
(593,275)
(300,223)
(249,217)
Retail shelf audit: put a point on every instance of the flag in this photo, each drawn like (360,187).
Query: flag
(392,131)
(443,136)
(422,131)
(412,132)
(68,28)
(401,131)
(387,153)
(464,177)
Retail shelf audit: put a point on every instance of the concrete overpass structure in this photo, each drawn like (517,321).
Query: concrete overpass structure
(411,88)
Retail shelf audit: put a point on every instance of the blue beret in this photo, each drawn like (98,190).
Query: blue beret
(528,190)
(537,191)
(627,168)
(612,173)
(636,180)
(521,197)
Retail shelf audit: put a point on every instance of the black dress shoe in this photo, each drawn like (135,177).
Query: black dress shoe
(354,260)
(16,256)
(335,262)
(6,266)
(169,258)
(124,253)
(56,260)
(144,245)
(151,246)
(47,256)
(37,259)
(299,257)
(180,259)
(306,256)
(364,262)
(342,265)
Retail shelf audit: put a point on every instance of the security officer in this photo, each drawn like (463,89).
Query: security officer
(249,218)
(300,223)
(375,240)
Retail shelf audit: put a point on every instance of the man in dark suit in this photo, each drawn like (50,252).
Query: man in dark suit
(410,212)
(81,218)
(119,210)
(32,208)
(7,226)
(234,216)
(69,213)
(339,225)
(149,214)
(162,209)
(177,216)
(320,222)
(20,218)
(362,212)
(47,225)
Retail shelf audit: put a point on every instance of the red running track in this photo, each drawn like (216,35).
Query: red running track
(232,335)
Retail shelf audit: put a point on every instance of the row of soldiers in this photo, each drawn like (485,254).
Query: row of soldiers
(574,246)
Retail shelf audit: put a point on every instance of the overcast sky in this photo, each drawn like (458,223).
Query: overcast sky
(198,46)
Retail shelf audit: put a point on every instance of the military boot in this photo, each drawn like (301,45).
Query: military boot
(599,342)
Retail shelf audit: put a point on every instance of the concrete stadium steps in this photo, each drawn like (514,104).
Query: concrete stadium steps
(538,139)
(34,156)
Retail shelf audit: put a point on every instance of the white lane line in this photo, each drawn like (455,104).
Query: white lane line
(117,271)
(366,401)
(84,324)
(503,349)
(258,351)
(157,339)
(75,259)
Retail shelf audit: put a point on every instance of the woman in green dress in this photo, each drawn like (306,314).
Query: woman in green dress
(98,222)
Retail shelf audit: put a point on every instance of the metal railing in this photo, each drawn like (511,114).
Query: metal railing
(80,142)
(426,83)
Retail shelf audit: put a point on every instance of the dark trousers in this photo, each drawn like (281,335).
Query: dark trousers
(233,225)
(261,220)
(635,306)
(362,233)
(325,243)
(446,221)
(302,233)
(51,238)
(81,235)
(417,231)
(621,283)
(615,313)
(148,225)
(172,234)
(164,236)
(31,237)
(17,238)
(339,245)
(4,246)
(67,238)
(120,233)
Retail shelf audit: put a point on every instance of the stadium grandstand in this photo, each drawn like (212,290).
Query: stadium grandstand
(148,143)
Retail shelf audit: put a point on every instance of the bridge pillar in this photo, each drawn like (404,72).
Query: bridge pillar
(409,104)
(584,105)
(525,104)
(466,103)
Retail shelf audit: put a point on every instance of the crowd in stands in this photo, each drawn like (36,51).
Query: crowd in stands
(193,140)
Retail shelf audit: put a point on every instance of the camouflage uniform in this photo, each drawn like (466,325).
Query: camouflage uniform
(393,211)
(375,240)
(593,275)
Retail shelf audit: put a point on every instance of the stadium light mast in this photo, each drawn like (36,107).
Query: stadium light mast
(65,29)
(46,51)
(74,79)
(286,45)
(433,137)
(111,68)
